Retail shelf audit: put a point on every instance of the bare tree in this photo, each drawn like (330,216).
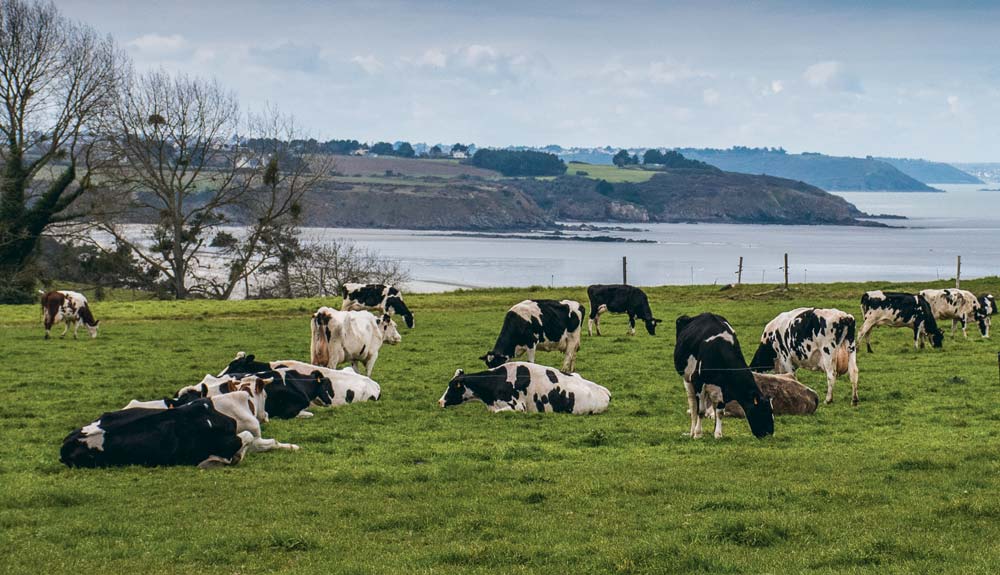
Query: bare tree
(56,78)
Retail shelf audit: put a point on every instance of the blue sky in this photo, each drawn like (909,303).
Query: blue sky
(911,79)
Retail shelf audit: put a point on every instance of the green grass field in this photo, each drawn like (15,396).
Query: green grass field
(613,174)
(908,482)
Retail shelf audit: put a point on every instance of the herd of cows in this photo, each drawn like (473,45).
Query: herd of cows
(218,420)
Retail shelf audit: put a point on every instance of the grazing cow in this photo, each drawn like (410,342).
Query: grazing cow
(192,434)
(987,307)
(896,309)
(354,336)
(958,305)
(291,393)
(620,299)
(813,338)
(788,396)
(522,386)
(382,298)
(539,324)
(69,307)
(708,356)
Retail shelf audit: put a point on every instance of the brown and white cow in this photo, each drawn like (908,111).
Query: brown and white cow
(69,307)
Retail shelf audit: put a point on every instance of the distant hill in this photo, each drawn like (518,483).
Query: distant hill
(988,172)
(931,172)
(826,172)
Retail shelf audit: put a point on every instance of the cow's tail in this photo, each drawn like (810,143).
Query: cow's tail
(319,349)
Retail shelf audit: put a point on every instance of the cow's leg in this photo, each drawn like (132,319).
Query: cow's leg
(918,339)
(720,409)
(48,328)
(569,362)
(866,334)
(830,367)
(303,414)
(261,444)
(631,324)
(370,364)
(76,327)
(852,372)
(953,320)
(965,326)
(214,461)
(65,329)
(695,430)
(530,354)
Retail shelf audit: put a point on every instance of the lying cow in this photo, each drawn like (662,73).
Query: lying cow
(350,336)
(192,434)
(896,309)
(521,386)
(708,356)
(539,324)
(290,393)
(788,396)
(812,338)
(958,305)
(346,385)
(620,299)
(381,298)
(987,308)
(69,307)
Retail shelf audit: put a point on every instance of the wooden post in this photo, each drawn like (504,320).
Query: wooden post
(786,271)
(624,270)
(739,272)
(958,274)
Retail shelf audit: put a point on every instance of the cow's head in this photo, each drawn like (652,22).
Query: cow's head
(494,359)
(759,414)
(191,393)
(390,334)
(765,358)
(92,329)
(244,363)
(651,325)
(457,393)
(394,304)
(325,393)
(937,337)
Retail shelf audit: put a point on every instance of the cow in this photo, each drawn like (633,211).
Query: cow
(539,324)
(987,307)
(620,299)
(192,434)
(523,386)
(209,386)
(70,307)
(350,336)
(812,338)
(896,309)
(958,305)
(346,385)
(707,355)
(290,393)
(381,298)
(788,396)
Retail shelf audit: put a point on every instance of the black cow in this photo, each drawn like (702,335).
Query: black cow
(290,393)
(544,324)
(620,299)
(375,297)
(191,434)
(896,309)
(708,356)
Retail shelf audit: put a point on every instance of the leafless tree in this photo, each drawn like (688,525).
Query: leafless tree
(56,78)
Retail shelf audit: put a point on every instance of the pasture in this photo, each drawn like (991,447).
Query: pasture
(613,174)
(909,481)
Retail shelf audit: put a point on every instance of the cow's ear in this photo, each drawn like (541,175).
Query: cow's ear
(657,321)
(241,354)
(485,357)
(204,390)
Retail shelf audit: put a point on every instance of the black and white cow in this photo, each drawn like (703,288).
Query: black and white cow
(987,308)
(539,324)
(70,307)
(522,386)
(381,298)
(708,356)
(896,309)
(346,385)
(350,336)
(290,393)
(192,434)
(620,299)
(812,338)
(958,305)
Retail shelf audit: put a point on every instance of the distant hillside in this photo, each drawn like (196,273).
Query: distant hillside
(826,172)
(931,172)
(988,172)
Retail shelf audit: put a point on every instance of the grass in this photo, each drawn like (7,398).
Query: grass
(906,482)
(613,174)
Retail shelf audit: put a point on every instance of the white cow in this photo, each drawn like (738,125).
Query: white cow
(958,305)
(350,336)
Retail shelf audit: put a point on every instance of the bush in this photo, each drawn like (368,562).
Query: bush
(514,163)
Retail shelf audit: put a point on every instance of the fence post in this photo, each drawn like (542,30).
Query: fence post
(624,270)
(958,274)
(739,272)
(786,271)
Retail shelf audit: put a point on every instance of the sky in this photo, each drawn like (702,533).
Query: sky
(905,79)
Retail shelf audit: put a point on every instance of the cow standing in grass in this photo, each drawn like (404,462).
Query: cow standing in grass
(378,298)
(350,336)
(70,307)
(987,308)
(539,324)
(620,299)
(958,305)
(708,356)
(896,309)
(811,338)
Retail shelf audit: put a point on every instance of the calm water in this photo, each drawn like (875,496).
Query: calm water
(963,221)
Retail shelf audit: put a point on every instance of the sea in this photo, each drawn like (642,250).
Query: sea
(963,221)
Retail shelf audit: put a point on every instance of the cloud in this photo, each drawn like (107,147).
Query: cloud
(777,86)
(954,104)
(369,63)
(433,58)
(289,56)
(833,76)
(160,45)
(710,96)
